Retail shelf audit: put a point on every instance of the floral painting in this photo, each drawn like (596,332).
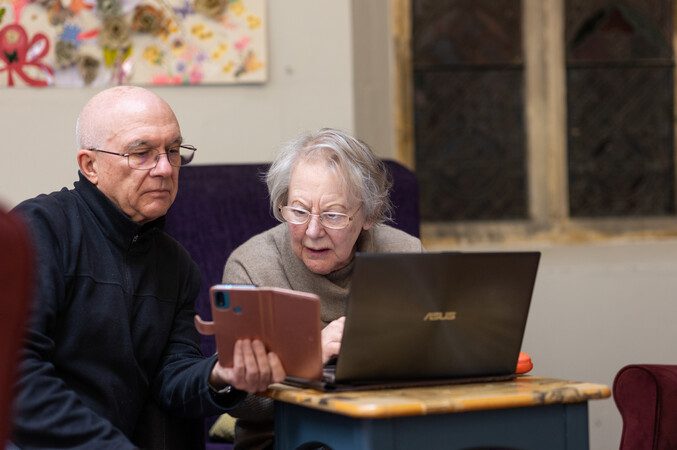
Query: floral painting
(76,43)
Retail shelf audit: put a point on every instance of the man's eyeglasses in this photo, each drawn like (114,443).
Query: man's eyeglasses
(300,216)
(145,160)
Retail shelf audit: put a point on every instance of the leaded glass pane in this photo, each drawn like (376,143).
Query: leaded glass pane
(620,108)
(468,109)
(469,144)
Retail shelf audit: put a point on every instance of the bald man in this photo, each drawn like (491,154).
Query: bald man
(112,323)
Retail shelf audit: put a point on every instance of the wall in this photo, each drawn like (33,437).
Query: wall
(310,85)
(599,307)
(596,308)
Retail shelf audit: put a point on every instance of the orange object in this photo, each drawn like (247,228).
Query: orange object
(524,363)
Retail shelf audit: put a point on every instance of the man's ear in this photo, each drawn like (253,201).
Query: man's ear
(87,163)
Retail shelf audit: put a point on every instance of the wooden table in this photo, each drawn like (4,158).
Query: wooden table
(527,413)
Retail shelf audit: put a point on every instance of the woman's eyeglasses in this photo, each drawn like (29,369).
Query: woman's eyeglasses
(328,219)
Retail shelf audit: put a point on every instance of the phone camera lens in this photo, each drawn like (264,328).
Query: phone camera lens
(222,300)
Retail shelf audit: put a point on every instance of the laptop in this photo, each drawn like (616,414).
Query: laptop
(432,318)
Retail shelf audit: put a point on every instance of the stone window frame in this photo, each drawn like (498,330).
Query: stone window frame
(546,140)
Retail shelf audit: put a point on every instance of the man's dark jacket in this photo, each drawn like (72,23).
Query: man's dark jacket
(111,328)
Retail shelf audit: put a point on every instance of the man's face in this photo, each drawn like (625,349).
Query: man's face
(143,195)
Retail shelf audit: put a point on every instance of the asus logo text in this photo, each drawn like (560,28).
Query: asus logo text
(440,315)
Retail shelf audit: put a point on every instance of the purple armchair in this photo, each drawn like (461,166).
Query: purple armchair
(219,207)
(646,397)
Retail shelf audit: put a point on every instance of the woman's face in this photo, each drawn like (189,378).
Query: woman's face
(316,187)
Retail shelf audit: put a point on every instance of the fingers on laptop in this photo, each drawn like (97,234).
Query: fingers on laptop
(331,338)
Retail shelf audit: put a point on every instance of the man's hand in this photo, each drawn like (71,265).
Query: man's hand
(253,368)
(331,338)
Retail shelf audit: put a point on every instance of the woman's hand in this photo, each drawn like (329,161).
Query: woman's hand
(253,368)
(331,338)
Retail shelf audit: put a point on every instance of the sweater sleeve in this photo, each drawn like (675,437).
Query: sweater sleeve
(235,273)
(48,413)
(255,262)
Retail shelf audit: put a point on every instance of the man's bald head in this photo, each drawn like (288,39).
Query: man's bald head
(93,128)
(119,122)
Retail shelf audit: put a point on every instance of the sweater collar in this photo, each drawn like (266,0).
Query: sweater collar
(115,224)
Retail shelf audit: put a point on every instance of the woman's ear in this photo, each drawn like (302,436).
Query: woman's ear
(87,163)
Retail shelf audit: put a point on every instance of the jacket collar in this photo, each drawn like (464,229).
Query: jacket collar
(115,224)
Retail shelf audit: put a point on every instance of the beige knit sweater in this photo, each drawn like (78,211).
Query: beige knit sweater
(267,260)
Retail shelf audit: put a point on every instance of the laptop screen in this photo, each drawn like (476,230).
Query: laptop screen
(436,315)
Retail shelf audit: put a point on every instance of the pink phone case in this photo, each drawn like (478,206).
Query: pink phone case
(286,321)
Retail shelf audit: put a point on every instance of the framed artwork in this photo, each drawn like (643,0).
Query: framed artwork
(77,43)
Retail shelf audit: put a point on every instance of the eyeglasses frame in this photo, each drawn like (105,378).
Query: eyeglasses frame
(157,157)
(319,217)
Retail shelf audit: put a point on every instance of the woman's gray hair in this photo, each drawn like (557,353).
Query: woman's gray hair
(365,176)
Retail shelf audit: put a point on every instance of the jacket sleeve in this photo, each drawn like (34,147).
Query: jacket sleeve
(48,413)
(181,385)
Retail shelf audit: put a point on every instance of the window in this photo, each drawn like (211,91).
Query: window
(544,119)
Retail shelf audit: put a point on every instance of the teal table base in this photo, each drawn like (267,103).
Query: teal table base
(551,427)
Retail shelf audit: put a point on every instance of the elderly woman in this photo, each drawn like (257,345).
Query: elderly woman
(331,193)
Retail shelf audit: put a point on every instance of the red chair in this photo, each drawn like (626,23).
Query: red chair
(16,269)
(646,397)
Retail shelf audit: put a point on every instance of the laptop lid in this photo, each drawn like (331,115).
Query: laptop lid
(436,315)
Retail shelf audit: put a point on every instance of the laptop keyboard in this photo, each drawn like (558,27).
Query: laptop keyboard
(329,371)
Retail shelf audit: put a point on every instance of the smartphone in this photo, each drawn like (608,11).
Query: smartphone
(286,321)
